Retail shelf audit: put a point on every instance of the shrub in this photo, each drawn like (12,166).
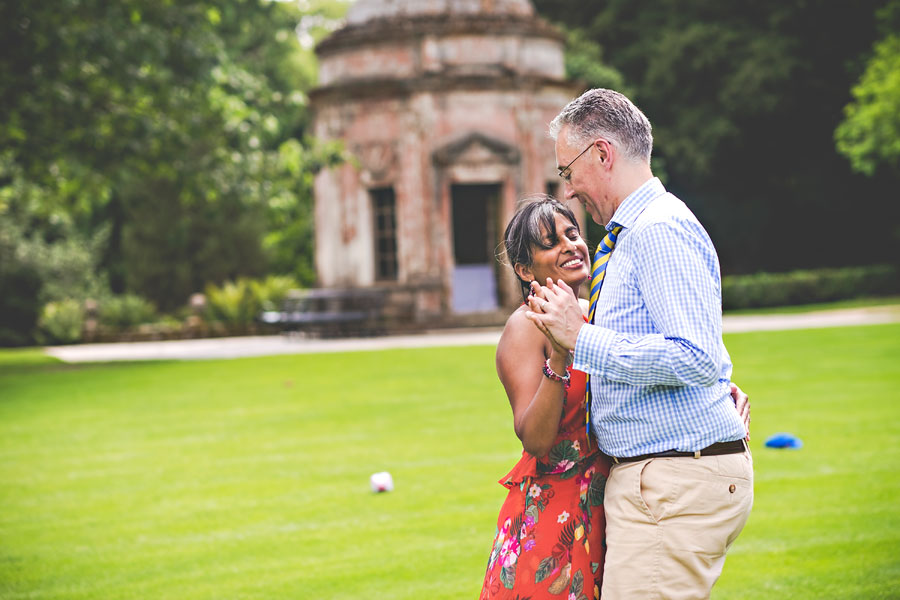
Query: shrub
(19,305)
(125,311)
(171,245)
(61,322)
(35,270)
(233,303)
(272,290)
(240,302)
(808,286)
(68,266)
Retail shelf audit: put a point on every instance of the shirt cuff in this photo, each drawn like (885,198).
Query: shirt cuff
(592,349)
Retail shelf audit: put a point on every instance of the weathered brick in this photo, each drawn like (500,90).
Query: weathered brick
(427,95)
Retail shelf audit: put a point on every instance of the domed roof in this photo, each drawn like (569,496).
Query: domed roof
(367,10)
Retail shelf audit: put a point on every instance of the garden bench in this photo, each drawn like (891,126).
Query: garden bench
(331,312)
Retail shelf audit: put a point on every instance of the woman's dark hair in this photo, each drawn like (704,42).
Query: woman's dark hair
(534,224)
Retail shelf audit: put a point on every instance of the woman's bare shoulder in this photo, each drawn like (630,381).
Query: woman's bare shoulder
(519,331)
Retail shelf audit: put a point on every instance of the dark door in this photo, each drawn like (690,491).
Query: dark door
(475,208)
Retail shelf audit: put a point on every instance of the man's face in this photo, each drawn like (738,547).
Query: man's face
(585,177)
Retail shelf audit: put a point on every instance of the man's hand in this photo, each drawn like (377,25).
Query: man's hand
(556,312)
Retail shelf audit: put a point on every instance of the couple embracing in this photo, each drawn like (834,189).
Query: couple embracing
(635,476)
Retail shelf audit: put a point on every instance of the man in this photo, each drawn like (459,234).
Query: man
(681,485)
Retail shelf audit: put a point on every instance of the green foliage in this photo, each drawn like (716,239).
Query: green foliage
(161,125)
(584,63)
(61,322)
(744,100)
(20,283)
(271,291)
(19,306)
(120,312)
(869,136)
(173,248)
(35,270)
(232,302)
(289,241)
(67,266)
(240,302)
(808,286)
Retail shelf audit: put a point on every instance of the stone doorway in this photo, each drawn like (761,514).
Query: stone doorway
(475,209)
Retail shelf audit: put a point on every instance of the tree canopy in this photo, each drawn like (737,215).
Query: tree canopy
(744,99)
(869,135)
(176,132)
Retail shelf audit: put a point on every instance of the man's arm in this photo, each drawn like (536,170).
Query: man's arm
(677,274)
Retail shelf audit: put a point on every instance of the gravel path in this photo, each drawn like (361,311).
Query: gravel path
(238,347)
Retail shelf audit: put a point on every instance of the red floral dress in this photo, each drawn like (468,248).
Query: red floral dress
(550,538)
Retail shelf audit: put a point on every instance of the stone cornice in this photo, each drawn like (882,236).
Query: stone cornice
(379,31)
(384,88)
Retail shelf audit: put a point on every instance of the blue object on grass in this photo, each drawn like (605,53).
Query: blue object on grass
(784,440)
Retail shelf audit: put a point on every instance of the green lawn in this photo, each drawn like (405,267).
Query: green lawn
(249,478)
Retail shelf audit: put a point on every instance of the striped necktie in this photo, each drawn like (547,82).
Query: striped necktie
(598,272)
(598,269)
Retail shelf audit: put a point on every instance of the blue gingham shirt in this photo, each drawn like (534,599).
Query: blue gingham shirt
(660,372)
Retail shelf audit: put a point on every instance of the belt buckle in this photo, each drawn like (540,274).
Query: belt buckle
(696,453)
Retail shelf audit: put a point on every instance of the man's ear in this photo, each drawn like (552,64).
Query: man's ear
(604,151)
(524,272)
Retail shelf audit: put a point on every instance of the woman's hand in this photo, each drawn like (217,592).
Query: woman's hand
(555,311)
(742,404)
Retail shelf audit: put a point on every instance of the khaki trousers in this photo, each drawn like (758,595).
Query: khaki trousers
(669,522)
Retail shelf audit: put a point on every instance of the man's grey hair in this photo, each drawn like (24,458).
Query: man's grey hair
(602,113)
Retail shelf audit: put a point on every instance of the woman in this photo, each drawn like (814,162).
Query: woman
(550,532)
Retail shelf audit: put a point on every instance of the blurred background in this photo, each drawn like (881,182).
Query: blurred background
(175,169)
(198,169)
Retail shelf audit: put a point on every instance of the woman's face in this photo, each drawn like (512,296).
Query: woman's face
(562,254)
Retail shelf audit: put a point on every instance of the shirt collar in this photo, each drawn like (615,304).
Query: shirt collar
(635,203)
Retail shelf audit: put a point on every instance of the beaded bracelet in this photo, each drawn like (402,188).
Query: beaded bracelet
(553,375)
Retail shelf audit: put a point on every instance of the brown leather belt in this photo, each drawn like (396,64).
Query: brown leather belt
(713,450)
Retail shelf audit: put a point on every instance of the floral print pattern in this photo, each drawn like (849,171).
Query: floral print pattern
(550,534)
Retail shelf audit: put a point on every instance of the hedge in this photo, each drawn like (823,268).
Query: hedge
(808,287)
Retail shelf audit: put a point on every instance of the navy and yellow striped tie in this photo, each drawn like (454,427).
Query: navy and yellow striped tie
(598,272)
(598,268)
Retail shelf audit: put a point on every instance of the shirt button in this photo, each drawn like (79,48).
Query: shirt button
(731,488)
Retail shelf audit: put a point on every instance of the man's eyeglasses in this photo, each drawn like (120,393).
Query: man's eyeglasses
(566,171)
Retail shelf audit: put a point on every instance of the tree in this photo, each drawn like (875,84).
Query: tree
(744,99)
(869,135)
(168,125)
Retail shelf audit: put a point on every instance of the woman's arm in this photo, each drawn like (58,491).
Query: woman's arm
(536,400)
